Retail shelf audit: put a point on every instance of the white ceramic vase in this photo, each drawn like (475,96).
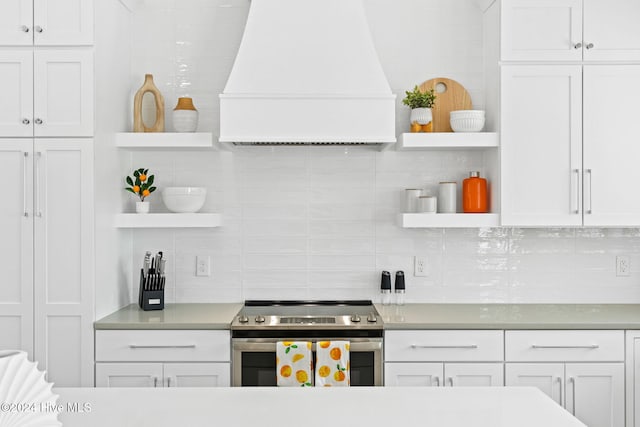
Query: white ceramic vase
(422,116)
(185,116)
(142,207)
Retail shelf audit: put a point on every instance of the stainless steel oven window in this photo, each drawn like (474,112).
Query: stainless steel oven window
(254,361)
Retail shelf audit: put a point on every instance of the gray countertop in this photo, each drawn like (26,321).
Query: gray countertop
(174,316)
(511,316)
(409,316)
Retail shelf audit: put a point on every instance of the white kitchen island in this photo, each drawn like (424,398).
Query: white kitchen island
(370,406)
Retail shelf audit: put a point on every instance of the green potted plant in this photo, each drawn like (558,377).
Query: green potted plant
(142,186)
(420,103)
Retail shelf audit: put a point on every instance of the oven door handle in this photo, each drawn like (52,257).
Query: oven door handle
(270,347)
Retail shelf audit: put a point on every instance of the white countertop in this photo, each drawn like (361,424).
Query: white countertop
(409,316)
(321,407)
(174,316)
(510,316)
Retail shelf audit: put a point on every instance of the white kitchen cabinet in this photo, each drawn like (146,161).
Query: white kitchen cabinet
(129,375)
(610,144)
(16,245)
(593,392)
(162,374)
(570,30)
(48,93)
(568,145)
(541,145)
(581,370)
(163,358)
(16,86)
(48,220)
(632,397)
(428,358)
(46,23)
(443,374)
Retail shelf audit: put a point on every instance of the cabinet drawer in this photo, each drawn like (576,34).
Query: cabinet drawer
(162,346)
(433,346)
(564,346)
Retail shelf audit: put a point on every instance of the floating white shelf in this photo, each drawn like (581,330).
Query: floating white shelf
(457,220)
(168,220)
(164,140)
(448,140)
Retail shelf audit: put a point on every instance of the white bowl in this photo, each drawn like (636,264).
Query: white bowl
(184,199)
(466,120)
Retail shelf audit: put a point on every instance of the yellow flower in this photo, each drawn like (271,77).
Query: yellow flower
(136,189)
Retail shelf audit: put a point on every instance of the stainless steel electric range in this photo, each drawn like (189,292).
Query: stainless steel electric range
(261,324)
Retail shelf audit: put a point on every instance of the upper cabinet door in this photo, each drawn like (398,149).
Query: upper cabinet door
(63,22)
(542,30)
(16,87)
(611,30)
(46,23)
(541,145)
(63,88)
(16,22)
(611,148)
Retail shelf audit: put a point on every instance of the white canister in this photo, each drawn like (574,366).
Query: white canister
(447,197)
(427,204)
(411,199)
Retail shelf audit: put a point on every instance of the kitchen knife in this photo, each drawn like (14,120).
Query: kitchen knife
(163,262)
(147,263)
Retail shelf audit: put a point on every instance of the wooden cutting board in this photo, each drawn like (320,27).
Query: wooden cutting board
(453,97)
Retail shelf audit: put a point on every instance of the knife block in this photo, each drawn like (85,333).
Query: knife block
(149,300)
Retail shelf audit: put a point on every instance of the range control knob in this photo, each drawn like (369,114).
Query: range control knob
(259,318)
(372,318)
(355,318)
(243,319)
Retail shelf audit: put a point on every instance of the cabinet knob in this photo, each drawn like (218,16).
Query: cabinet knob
(26,121)
(589,46)
(38,29)
(577,45)
(24,29)
(38,121)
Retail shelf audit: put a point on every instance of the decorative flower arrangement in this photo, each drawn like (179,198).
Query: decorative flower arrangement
(141,184)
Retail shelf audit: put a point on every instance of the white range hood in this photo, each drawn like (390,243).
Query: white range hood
(307,73)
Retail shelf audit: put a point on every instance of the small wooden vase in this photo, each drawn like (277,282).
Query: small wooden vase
(138,123)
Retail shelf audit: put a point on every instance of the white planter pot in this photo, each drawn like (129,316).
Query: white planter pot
(422,116)
(142,207)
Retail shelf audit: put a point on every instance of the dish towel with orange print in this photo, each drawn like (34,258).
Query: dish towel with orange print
(332,364)
(294,364)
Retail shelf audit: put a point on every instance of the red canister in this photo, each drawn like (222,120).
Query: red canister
(474,194)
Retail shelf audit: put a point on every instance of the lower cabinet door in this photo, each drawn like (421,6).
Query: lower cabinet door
(595,393)
(413,374)
(197,374)
(473,375)
(548,377)
(128,374)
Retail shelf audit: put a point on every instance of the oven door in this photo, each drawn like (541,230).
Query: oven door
(254,361)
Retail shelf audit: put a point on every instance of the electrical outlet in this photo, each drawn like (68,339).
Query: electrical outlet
(623,265)
(203,265)
(420,266)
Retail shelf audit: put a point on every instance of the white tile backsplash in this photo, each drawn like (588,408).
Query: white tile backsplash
(320,222)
